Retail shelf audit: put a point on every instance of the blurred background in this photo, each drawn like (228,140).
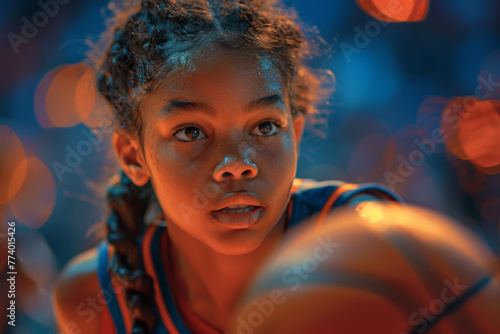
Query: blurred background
(416,108)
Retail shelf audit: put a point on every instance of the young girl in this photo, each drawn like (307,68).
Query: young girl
(209,99)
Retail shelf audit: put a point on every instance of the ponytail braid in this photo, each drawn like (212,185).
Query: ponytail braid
(128,204)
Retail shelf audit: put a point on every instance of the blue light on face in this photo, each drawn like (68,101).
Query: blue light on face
(268,73)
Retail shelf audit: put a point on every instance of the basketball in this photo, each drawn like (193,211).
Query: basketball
(381,268)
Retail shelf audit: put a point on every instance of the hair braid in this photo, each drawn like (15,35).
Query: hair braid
(128,204)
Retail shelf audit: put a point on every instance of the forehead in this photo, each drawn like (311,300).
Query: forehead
(221,72)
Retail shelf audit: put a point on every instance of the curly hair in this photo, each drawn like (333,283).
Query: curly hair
(152,38)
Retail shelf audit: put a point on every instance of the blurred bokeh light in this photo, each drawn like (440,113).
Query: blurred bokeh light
(396,11)
(35,201)
(13,166)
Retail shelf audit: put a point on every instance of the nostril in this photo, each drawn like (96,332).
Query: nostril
(245,173)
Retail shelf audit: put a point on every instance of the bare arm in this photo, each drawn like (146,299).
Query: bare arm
(79,304)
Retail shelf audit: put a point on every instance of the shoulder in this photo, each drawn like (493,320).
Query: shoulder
(311,197)
(76,293)
(317,193)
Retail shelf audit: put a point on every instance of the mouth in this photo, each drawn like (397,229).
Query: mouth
(239,216)
(240,208)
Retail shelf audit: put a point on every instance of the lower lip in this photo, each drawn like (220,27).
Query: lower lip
(239,220)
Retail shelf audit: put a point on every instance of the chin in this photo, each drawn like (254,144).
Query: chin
(237,244)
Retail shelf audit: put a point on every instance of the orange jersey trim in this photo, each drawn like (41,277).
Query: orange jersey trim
(120,296)
(295,185)
(148,264)
(333,197)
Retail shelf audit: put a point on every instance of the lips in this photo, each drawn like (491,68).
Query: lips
(239,220)
(239,202)
(238,208)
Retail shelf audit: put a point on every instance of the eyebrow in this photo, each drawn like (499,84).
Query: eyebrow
(176,106)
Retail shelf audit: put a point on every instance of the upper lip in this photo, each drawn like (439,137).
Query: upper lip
(239,198)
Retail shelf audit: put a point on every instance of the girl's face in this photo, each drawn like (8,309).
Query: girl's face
(222,126)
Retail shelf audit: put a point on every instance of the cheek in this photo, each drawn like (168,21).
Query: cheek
(174,175)
(169,158)
(277,154)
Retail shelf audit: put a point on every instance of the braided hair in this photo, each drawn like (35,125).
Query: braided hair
(151,38)
(128,204)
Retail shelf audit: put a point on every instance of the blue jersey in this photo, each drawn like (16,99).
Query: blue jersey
(308,198)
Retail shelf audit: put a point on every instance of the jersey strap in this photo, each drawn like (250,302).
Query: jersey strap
(106,284)
(115,295)
(153,262)
(295,185)
(312,198)
(346,192)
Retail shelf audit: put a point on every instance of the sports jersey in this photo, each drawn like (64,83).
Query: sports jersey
(308,198)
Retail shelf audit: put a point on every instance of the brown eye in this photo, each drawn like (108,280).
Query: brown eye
(267,128)
(190,133)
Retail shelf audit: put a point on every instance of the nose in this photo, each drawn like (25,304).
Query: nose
(236,168)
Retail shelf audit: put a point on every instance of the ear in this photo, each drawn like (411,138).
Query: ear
(131,158)
(298,126)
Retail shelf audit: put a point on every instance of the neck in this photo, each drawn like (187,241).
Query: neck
(212,282)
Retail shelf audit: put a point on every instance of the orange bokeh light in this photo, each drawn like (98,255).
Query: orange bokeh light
(40,106)
(35,201)
(60,97)
(13,161)
(451,119)
(479,134)
(396,11)
(90,104)
(471,129)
